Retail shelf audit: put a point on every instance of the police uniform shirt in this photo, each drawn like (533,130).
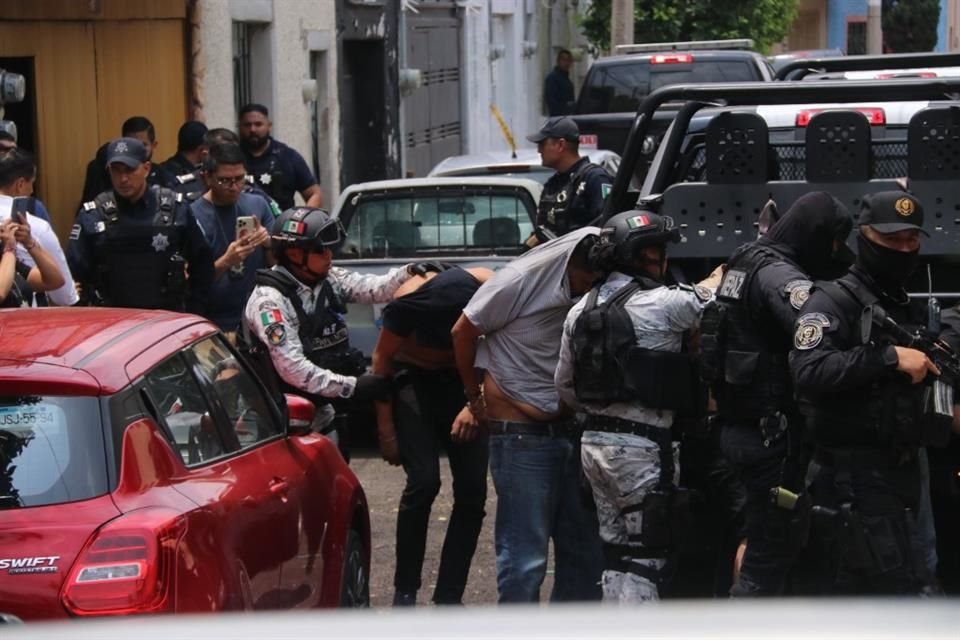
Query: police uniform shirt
(587,201)
(431,311)
(219,224)
(660,318)
(278,157)
(272,319)
(177,165)
(43,233)
(83,250)
(828,361)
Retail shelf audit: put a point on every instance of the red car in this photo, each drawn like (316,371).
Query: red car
(144,469)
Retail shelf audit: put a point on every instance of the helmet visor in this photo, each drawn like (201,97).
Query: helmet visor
(331,235)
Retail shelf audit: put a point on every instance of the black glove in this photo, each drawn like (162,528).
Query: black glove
(371,386)
(421,268)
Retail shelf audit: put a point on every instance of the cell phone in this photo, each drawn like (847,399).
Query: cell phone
(246,225)
(22,205)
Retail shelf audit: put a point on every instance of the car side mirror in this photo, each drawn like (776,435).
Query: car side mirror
(300,414)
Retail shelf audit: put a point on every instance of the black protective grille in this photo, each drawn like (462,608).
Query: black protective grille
(889,161)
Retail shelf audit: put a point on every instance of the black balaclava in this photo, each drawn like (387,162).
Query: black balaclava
(889,267)
(807,231)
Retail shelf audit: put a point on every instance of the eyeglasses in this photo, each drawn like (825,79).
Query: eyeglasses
(236,181)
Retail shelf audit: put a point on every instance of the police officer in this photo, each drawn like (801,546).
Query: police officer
(863,396)
(277,168)
(184,166)
(98,178)
(132,245)
(620,364)
(746,337)
(293,321)
(573,197)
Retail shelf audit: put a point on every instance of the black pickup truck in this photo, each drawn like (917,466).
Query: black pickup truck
(615,86)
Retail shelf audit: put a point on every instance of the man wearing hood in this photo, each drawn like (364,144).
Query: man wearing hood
(863,394)
(534,456)
(746,337)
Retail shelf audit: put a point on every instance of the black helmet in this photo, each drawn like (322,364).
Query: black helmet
(308,228)
(626,233)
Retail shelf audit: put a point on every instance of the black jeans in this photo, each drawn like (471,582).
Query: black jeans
(425,405)
(774,535)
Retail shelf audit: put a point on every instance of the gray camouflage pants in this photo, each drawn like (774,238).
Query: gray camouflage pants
(623,469)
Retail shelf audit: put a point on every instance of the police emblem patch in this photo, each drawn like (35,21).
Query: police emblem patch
(808,336)
(798,291)
(809,332)
(265,178)
(904,207)
(605,190)
(160,242)
(121,147)
(703,293)
(276,334)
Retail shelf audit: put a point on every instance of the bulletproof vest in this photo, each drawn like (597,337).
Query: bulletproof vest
(275,182)
(742,355)
(555,210)
(610,367)
(140,265)
(324,334)
(890,410)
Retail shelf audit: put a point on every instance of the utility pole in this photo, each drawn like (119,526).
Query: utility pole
(874,27)
(621,23)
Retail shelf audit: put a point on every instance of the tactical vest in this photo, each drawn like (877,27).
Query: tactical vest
(139,265)
(555,209)
(275,182)
(190,185)
(890,411)
(324,334)
(610,367)
(743,356)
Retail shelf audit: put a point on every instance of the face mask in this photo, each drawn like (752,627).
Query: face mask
(891,268)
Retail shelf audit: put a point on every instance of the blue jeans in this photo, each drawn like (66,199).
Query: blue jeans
(537,479)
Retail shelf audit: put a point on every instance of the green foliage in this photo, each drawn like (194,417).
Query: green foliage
(910,25)
(764,21)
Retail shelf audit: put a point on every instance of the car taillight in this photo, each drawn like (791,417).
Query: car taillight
(875,115)
(128,566)
(672,58)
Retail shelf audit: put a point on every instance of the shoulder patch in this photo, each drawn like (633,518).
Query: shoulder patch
(798,291)
(703,293)
(732,284)
(605,190)
(270,317)
(276,334)
(75,231)
(809,332)
(89,206)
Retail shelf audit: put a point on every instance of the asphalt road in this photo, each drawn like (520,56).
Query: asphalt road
(383,485)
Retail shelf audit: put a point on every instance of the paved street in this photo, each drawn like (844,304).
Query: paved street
(383,485)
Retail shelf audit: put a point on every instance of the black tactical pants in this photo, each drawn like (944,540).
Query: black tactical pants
(425,405)
(774,535)
(874,493)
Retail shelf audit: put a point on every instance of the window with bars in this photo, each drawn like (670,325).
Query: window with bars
(242,93)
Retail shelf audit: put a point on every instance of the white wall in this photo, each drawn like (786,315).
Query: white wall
(527,33)
(294,31)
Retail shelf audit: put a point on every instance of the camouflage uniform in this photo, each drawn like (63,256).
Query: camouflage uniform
(271,317)
(623,468)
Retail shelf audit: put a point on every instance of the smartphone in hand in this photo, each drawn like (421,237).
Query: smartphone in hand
(246,225)
(21,206)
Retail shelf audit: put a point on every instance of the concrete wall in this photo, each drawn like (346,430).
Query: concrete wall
(294,43)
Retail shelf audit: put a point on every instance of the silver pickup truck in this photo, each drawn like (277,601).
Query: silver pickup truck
(468,221)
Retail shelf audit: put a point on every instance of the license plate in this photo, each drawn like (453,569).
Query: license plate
(588,141)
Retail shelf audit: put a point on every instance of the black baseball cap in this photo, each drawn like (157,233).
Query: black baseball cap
(557,127)
(191,135)
(128,151)
(891,211)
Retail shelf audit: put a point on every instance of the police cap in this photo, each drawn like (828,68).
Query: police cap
(557,127)
(892,211)
(128,151)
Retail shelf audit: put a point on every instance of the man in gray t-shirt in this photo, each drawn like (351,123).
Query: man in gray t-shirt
(534,459)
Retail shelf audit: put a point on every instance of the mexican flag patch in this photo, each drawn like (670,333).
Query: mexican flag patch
(638,221)
(271,316)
